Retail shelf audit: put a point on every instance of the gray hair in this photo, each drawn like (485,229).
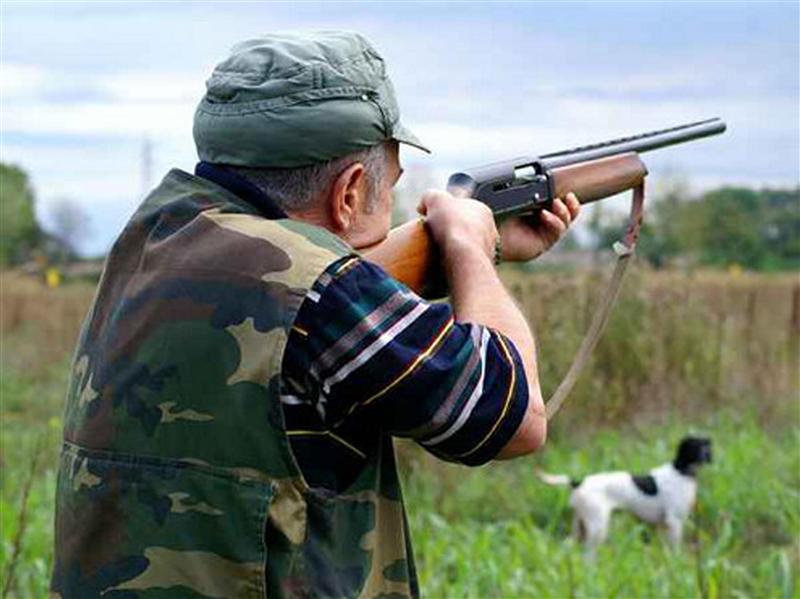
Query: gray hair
(298,188)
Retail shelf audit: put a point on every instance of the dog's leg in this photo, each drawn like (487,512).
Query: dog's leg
(674,530)
(596,529)
(578,528)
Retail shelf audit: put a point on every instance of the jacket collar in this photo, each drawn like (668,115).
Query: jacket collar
(240,187)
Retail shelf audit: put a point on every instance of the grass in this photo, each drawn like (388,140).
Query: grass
(675,342)
(31,433)
(498,532)
(707,353)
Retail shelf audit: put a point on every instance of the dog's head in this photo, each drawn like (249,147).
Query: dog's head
(693,452)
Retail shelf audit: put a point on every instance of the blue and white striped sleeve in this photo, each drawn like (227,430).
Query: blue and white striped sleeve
(374,350)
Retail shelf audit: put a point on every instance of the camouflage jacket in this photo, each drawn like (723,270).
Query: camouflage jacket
(176,477)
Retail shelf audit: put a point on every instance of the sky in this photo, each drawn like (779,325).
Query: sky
(85,87)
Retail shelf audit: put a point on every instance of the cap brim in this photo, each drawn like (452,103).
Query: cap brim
(404,135)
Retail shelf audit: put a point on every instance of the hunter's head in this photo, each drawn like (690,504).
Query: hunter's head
(312,121)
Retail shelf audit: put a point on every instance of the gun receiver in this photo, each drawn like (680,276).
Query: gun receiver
(525,185)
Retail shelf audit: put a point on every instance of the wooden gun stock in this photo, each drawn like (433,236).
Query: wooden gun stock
(409,254)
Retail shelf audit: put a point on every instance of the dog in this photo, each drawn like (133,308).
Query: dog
(665,495)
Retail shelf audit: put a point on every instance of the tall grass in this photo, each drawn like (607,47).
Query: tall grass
(707,352)
(38,328)
(38,325)
(676,343)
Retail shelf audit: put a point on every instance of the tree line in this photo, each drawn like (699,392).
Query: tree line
(756,229)
(718,228)
(22,236)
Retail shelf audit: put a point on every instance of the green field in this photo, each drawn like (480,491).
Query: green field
(495,531)
(498,532)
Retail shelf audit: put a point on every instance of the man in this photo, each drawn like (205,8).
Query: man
(243,368)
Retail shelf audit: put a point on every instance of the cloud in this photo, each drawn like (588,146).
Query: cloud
(123,103)
(91,119)
(148,86)
(21,80)
(83,84)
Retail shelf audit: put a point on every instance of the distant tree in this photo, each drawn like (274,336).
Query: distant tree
(732,228)
(782,228)
(756,229)
(70,225)
(19,231)
(658,239)
(759,230)
(668,229)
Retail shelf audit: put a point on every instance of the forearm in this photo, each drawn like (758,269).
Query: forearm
(478,296)
(465,233)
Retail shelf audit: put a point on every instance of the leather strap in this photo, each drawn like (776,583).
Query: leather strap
(624,250)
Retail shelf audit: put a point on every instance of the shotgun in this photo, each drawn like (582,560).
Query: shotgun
(525,185)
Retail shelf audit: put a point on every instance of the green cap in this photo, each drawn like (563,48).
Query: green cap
(289,100)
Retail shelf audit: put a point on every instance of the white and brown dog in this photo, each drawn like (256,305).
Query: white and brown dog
(665,495)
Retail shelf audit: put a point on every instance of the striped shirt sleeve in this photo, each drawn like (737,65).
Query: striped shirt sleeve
(364,347)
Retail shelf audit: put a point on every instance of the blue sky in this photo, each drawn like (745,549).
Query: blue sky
(83,84)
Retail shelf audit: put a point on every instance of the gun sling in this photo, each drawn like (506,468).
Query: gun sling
(624,250)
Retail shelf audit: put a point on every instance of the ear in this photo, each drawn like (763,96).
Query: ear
(347,196)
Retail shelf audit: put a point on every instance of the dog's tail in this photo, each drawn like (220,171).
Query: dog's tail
(559,480)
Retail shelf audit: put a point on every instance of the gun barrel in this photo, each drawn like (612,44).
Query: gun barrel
(637,143)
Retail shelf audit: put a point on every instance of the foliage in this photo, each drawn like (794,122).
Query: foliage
(779,220)
(758,230)
(20,232)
